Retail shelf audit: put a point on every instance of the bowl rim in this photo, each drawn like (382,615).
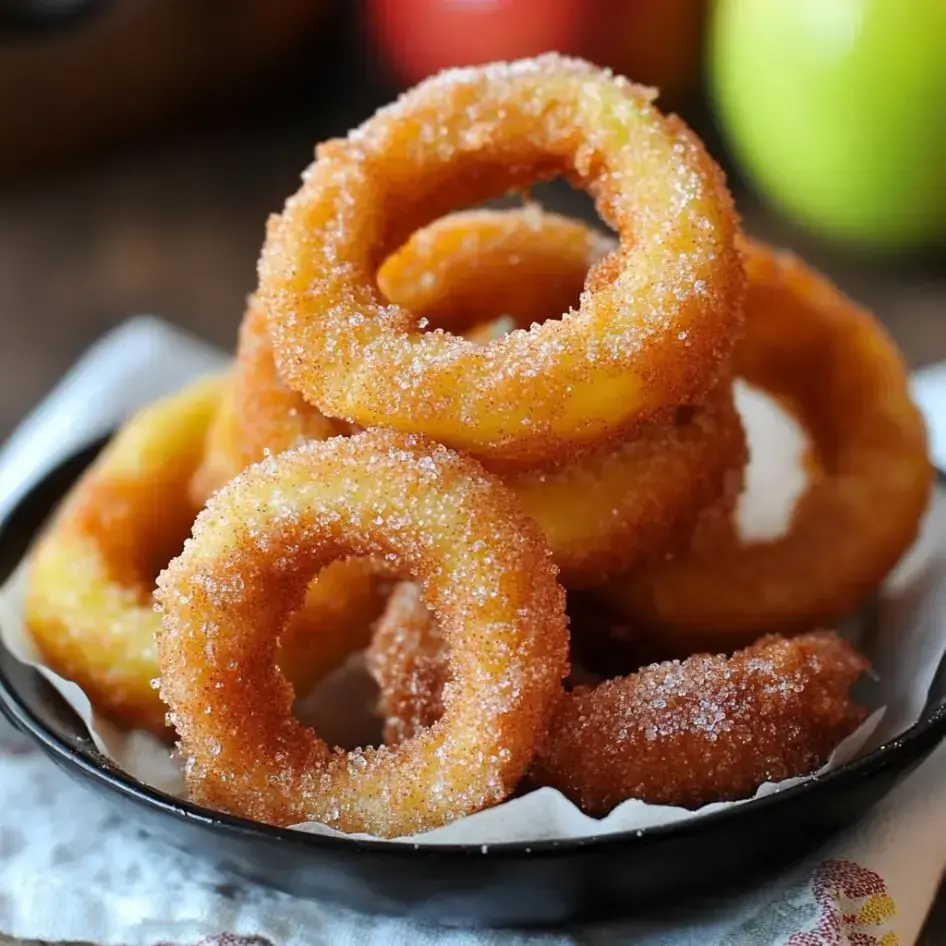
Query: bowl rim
(914,742)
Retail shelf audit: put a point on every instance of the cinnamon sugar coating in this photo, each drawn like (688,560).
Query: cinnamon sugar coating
(834,367)
(486,573)
(676,733)
(654,326)
(628,503)
(705,729)
(408,660)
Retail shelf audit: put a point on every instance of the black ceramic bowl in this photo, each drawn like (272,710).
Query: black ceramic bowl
(505,884)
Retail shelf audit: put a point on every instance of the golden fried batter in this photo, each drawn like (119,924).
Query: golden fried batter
(425,511)
(707,729)
(834,367)
(654,327)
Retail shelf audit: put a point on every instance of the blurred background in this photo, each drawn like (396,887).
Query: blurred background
(144,142)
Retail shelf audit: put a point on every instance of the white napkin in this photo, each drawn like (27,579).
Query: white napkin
(83,874)
(929,391)
(83,405)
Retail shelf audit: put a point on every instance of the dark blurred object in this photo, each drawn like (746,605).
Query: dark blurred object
(30,18)
(657,42)
(129,66)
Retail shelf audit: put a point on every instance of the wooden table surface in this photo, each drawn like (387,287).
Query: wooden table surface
(175,231)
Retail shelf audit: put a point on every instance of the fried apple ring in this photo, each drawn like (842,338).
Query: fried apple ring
(487,575)
(407,658)
(630,503)
(89,603)
(707,729)
(655,324)
(345,599)
(258,414)
(602,514)
(834,368)
(638,501)
(479,272)
(468,269)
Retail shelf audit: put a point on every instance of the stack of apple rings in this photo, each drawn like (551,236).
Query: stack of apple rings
(503,451)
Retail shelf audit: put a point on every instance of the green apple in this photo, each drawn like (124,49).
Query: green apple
(836,109)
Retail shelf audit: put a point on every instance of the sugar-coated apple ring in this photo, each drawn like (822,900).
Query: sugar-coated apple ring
(486,572)
(478,272)
(706,729)
(639,500)
(655,324)
(346,597)
(89,602)
(408,659)
(832,366)
(88,605)
(463,273)
(628,504)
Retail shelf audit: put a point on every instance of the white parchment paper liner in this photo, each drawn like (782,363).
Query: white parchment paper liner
(145,358)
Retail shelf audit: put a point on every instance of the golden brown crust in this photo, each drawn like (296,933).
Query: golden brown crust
(707,729)
(834,367)
(271,416)
(622,506)
(89,596)
(633,504)
(461,273)
(90,601)
(258,413)
(655,324)
(408,660)
(486,573)
(627,503)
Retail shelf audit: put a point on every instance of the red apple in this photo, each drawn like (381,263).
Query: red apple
(656,42)
(416,38)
